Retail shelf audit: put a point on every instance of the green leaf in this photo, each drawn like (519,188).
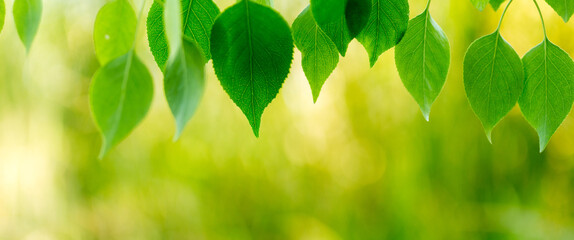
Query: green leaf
(120,96)
(320,56)
(114,30)
(564,8)
(252,51)
(480,4)
(173,26)
(493,79)
(423,59)
(341,20)
(184,83)
(263,2)
(198,18)
(386,27)
(496,3)
(27,16)
(547,97)
(2,14)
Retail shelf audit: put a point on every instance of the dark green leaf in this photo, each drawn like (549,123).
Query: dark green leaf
(252,51)
(493,79)
(548,91)
(120,96)
(184,83)
(496,3)
(386,27)
(341,20)
(423,59)
(564,8)
(480,4)
(198,19)
(2,14)
(320,56)
(111,39)
(27,16)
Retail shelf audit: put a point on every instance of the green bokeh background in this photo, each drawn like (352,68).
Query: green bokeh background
(361,163)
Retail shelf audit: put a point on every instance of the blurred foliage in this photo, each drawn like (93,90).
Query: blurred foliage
(361,163)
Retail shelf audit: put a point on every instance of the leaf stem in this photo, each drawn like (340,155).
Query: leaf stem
(541,19)
(503,14)
(138,23)
(428,5)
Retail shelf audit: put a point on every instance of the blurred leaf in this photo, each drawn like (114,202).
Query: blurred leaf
(173,27)
(387,25)
(480,4)
(252,50)
(120,96)
(564,8)
(547,97)
(496,3)
(184,83)
(320,56)
(341,20)
(493,79)
(423,59)
(2,14)
(27,16)
(198,18)
(114,30)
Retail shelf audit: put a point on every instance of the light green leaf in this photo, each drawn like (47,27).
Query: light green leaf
(386,27)
(564,8)
(173,26)
(184,83)
(548,93)
(496,3)
(480,4)
(320,56)
(2,14)
(341,20)
(112,39)
(27,16)
(198,18)
(262,2)
(423,59)
(252,50)
(120,96)
(493,79)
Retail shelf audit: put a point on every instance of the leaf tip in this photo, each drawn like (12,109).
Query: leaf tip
(104,150)
(489,135)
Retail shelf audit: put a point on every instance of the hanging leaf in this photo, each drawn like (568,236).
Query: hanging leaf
(27,16)
(2,14)
(111,39)
(423,59)
(387,25)
(198,18)
(496,3)
(493,79)
(320,56)
(120,96)
(252,51)
(341,20)
(564,8)
(184,83)
(173,27)
(548,93)
(480,4)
